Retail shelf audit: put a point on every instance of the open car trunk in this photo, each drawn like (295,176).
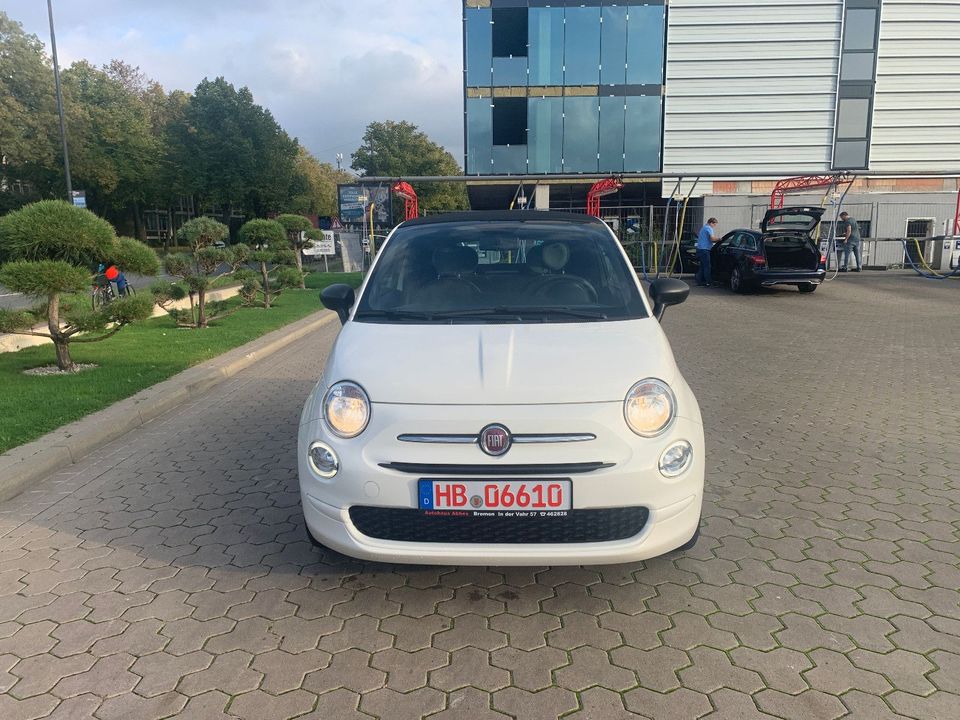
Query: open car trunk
(791,251)
(786,238)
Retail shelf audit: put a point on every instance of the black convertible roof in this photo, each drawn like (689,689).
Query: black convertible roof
(506,216)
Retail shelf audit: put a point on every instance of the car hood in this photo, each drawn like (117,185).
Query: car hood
(500,364)
(804,219)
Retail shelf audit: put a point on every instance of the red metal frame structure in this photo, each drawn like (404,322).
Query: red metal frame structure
(607,186)
(956,217)
(803,182)
(411,208)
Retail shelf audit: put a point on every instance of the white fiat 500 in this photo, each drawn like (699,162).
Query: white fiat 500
(501,393)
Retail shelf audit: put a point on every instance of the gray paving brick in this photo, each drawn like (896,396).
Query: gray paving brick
(469,667)
(531,670)
(258,704)
(168,574)
(547,704)
(469,703)
(402,706)
(682,703)
(408,671)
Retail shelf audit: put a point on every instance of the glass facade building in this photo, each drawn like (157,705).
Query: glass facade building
(563,87)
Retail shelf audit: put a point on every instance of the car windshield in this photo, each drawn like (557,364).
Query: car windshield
(501,271)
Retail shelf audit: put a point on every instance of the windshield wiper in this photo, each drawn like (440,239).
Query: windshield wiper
(393,315)
(553,310)
(499,312)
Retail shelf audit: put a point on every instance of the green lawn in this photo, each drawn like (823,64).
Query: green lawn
(137,357)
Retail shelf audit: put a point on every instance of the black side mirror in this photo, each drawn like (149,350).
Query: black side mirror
(667,291)
(338,298)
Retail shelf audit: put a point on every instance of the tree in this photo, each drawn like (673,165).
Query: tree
(205,263)
(47,249)
(267,241)
(296,227)
(399,149)
(231,151)
(114,153)
(314,188)
(29,141)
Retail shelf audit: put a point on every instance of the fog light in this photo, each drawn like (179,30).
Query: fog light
(323,460)
(676,459)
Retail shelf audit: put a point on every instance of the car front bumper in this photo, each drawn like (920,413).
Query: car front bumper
(632,479)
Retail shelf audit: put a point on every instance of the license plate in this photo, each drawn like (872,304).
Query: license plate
(495,495)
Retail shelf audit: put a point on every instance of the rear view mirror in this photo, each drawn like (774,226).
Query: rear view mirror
(338,298)
(665,292)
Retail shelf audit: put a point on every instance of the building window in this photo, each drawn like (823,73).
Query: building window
(479,136)
(826,226)
(581,134)
(546,46)
(856,87)
(641,145)
(581,46)
(509,32)
(546,134)
(919,228)
(510,121)
(613,45)
(476,38)
(645,32)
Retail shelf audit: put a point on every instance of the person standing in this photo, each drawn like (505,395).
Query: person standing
(705,241)
(849,230)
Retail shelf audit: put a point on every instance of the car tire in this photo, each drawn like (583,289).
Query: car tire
(807,287)
(737,283)
(692,541)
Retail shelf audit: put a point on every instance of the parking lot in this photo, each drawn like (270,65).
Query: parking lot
(168,573)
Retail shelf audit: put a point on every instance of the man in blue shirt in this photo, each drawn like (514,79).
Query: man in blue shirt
(705,240)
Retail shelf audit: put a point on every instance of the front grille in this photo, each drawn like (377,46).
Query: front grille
(577,526)
(496,468)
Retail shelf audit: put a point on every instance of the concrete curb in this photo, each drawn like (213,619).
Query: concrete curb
(26,464)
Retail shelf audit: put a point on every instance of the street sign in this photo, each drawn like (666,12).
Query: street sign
(326,246)
(79,198)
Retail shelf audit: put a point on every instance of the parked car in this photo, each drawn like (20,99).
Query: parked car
(523,410)
(783,252)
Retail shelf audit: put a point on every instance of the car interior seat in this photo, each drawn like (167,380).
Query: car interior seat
(557,286)
(453,285)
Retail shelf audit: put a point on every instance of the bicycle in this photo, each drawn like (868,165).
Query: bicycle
(102,293)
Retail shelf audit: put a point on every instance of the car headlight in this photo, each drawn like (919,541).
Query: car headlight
(346,409)
(323,459)
(676,459)
(649,407)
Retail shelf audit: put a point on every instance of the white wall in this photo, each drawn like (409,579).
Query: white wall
(751,85)
(916,120)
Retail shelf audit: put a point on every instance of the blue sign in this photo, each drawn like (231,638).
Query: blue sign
(355,201)
(79,198)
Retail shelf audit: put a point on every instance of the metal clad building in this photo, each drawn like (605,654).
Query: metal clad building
(761,88)
(751,85)
(916,120)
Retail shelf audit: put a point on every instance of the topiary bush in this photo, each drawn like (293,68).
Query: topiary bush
(298,228)
(264,242)
(199,268)
(48,251)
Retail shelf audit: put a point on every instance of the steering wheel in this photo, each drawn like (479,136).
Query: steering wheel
(549,286)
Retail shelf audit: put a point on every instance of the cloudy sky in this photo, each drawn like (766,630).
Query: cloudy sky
(324,68)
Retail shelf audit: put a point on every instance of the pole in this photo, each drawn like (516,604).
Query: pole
(56,80)
(956,217)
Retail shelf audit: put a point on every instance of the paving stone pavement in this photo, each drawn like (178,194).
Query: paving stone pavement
(167,575)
